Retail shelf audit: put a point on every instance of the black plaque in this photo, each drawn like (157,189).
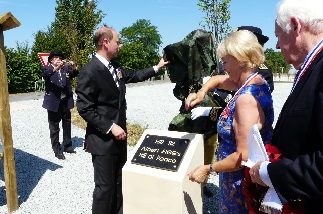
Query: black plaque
(161,152)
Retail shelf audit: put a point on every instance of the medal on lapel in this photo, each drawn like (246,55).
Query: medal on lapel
(119,73)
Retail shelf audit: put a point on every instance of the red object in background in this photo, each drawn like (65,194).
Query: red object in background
(43,58)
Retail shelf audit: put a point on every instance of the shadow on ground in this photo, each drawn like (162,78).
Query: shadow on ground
(77,142)
(31,168)
(210,203)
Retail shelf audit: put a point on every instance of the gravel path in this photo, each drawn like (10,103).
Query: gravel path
(48,185)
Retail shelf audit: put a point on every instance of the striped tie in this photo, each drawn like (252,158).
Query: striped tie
(60,77)
(113,73)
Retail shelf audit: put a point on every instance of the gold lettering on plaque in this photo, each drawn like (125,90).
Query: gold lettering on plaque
(170,152)
(159,141)
(148,149)
(142,155)
(163,159)
(171,143)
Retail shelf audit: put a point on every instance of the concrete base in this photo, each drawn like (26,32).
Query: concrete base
(148,190)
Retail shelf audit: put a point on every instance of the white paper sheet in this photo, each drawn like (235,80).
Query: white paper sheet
(257,152)
(256,148)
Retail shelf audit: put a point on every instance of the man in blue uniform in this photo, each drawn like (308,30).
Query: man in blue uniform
(58,100)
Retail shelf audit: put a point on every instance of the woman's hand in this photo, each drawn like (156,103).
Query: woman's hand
(193,99)
(199,174)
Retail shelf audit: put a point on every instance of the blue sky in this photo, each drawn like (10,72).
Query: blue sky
(174,19)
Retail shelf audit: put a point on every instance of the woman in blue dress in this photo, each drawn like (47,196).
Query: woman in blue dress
(241,55)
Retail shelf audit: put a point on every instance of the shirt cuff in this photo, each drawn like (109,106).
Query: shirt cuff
(155,68)
(263,172)
(110,128)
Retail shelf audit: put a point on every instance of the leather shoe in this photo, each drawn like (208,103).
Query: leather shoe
(60,155)
(69,150)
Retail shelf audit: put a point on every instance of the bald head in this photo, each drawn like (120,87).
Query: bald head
(101,34)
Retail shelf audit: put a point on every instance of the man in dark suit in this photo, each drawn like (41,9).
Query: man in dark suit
(101,103)
(298,135)
(58,100)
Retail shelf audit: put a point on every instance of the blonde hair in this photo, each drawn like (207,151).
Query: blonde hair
(242,45)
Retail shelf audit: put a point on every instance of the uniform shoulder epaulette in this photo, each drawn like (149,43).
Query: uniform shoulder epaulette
(263,67)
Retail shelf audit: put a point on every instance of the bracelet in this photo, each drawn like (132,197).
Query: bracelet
(212,171)
(214,114)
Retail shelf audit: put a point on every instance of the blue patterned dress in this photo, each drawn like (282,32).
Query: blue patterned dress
(231,199)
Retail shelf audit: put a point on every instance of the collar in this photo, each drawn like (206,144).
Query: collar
(102,59)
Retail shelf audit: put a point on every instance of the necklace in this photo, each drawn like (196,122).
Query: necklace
(226,111)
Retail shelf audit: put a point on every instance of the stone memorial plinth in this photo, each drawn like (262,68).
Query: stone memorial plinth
(155,175)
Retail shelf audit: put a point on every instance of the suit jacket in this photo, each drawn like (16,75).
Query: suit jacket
(299,137)
(54,88)
(100,103)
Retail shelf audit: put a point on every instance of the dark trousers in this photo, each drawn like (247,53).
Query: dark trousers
(107,194)
(54,118)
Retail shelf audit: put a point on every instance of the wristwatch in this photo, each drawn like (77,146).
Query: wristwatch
(212,171)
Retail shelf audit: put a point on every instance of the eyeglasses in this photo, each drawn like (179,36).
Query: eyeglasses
(117,42)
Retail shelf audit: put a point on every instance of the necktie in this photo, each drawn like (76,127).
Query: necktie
(60,77)
(113,73)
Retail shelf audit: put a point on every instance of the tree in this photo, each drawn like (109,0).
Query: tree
(217,17)
(22,71)
(71,33)
(72,30)
(276,61)
(140,45)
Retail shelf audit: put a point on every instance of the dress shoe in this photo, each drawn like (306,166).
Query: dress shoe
(60,155)
(69,150)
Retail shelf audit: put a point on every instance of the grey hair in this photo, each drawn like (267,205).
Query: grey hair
(308,11)
(244,46)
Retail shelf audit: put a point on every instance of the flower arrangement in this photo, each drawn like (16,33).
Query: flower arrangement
(255,193)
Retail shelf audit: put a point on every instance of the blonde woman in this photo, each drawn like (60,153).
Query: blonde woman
(241,55)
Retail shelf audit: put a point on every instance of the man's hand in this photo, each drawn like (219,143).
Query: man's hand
(161,63)
(58,64)
(254,174)
(73,65)
(118,132)
(200,111)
